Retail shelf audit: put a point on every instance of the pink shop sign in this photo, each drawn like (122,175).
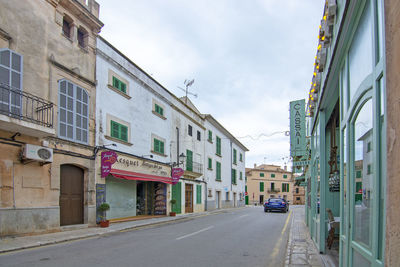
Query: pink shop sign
(108,158)
(176,174)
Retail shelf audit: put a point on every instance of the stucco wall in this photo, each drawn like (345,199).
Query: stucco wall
(392,31)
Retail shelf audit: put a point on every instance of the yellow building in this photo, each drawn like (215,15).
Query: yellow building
(298,195)
(47,114)
(268,181)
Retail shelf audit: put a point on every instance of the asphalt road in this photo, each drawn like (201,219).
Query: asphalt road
(243,237)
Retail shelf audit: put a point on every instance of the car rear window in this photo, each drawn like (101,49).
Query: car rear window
(275,200)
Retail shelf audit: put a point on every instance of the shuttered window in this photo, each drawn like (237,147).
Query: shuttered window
(261,186)
(189,160)
(209,135)
(218,146)
(218,171)
(11,65)
(158,146)
(234,156)
(119,131)
(234,176)
(73,120)
(159,109)
(209,163)
(117,83)
(198,194)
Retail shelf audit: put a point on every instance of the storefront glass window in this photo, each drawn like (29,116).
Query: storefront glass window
(344,90)
(360,54)
(364,186)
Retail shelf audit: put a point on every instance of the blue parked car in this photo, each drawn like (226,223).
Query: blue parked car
(276,204)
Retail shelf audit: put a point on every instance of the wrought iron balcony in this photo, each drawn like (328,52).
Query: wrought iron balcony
(193,169)
(273,190)
(25,106)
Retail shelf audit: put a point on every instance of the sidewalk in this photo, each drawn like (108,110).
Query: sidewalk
(8,244)
(301,250)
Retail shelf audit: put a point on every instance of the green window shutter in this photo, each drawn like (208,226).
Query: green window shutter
(218,171)
(287,187)
(245,188)
(272,186)
(241,176)
(283,187)
(261,186)
(159,109)
(218,146)
(272,175)
(189,160)
(234,156)
(241,157)
(284,176)
(119,85)
(233,176)
(119,131)
(261,174)
(198,194)
(358,174)
(209,136)
(123,87)
(158,146)
(209,163)
(358,186)
(115,82)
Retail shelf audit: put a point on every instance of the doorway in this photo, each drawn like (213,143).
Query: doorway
(188,198)
(217,199)
(261,199)
(71,195)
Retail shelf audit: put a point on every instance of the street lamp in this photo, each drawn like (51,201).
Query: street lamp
(181,159)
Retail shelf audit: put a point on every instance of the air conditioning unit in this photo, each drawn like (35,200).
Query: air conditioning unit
(38,153)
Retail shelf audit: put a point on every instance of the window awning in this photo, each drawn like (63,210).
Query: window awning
(127,175)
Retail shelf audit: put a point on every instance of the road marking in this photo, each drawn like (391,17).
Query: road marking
(195,233)
(278,244)
(243,216)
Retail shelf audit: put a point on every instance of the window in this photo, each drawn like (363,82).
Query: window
(218,171)
(241,176)
(369,147)
(119,131)
(198,136)
(189,160)
(234,176)
(11,65)
(241,157)
(297,190)
(285,187)
(358,174)
(261,186)
(190,130)
(297,198)
(209,136)
(218,146)
(73,121)
(234,156)
(118,84)
(369,169)
(227,196)
(159,110)
(67,27)
(209,163)
(158,146)
(261,174)
(82,37)
(285,176)
(272,186)
(198,194)
(272,175)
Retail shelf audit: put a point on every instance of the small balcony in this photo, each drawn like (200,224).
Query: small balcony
(193,169)
(25,113)
(273,190)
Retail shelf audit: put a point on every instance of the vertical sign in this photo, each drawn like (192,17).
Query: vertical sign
(297,128)
(108,158)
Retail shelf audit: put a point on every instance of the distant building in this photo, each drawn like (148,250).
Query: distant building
(298,195)
(268,181)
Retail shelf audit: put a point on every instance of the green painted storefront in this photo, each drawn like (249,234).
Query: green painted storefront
(347,138)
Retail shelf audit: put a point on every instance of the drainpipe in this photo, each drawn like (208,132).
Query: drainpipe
(231,169)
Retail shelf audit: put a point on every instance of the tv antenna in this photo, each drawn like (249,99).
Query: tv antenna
(187,84)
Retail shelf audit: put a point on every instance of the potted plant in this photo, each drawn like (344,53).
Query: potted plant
(173,202)
(103,209)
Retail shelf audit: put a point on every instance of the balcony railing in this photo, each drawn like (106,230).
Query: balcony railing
(25,106)
(273,190)
(194,167)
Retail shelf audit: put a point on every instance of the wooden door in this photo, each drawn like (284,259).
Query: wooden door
(71,196)
(176,194)
(188,198)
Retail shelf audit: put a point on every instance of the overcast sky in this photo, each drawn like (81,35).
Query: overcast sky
(249,59)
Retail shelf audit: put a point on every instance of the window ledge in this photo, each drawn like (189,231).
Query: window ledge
(211,142)
(158,153)
(210,169)
(218,155)
(218,180)
(235,163)
(68,38)
(118,91)
(117,140)
(84,49)
(158,115)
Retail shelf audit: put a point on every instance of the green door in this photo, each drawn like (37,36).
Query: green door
(189,160)
(247,200)
(176,194)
